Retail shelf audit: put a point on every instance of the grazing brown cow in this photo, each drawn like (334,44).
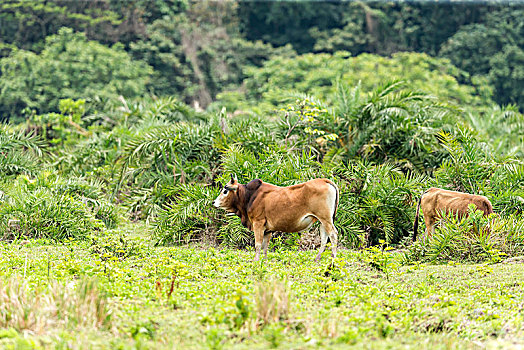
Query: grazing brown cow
(436,201)
(265,208)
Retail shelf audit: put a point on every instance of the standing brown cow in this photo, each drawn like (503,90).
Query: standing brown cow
(436,201)
(265,208)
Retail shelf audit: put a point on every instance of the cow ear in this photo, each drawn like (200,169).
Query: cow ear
(219,184)
(232,179)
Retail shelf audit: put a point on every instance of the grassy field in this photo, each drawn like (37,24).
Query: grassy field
(118,291)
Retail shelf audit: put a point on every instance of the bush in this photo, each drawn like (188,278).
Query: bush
(375,203)
(392,123)
(317,74)
(51,207)
(189,217)
(19,152)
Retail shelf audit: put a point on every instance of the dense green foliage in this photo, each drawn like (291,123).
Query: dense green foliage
(383,128)
(200,49)
(68,67)
(318,74)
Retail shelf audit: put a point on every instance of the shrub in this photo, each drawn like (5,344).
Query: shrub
(43,214)
(393,123)
(49,206)
(189,217)
(317,73)
(375,203)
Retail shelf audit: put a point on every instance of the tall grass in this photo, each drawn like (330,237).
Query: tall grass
(57,307)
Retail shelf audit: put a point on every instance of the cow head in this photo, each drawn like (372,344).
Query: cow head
(227,196)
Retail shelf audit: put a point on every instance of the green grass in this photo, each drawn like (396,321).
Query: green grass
(215,300)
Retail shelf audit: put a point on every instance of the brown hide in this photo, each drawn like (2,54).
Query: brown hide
(265,208)
(436,201)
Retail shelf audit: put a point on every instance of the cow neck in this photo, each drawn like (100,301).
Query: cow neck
(242,205)
(245,196)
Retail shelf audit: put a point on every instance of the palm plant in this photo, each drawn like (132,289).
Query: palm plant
(392,123)
(19,152)
(40,213)
(189,216)
(377,201)
(163,156)
(502,126)
(277,165)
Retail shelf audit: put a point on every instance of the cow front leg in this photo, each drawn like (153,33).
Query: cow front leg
(258,229)
(265,243)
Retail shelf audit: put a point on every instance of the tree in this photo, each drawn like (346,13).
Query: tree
(507,75)
(492,49)
(70,66)
(317,74)
(26,23)
(198,53)
(287,22)
(472,46)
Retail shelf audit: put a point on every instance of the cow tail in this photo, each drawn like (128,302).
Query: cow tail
(415,224)
(336,200)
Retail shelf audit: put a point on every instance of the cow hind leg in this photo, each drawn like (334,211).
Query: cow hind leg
(333,238)
(328,230)
(323,240)
(430,227)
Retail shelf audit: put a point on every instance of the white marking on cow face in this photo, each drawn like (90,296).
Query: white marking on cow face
(225,198)
(221,200)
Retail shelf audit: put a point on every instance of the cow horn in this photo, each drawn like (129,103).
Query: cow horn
(230,188)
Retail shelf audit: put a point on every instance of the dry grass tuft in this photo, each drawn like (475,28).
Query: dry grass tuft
(272,302)
(59,306)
